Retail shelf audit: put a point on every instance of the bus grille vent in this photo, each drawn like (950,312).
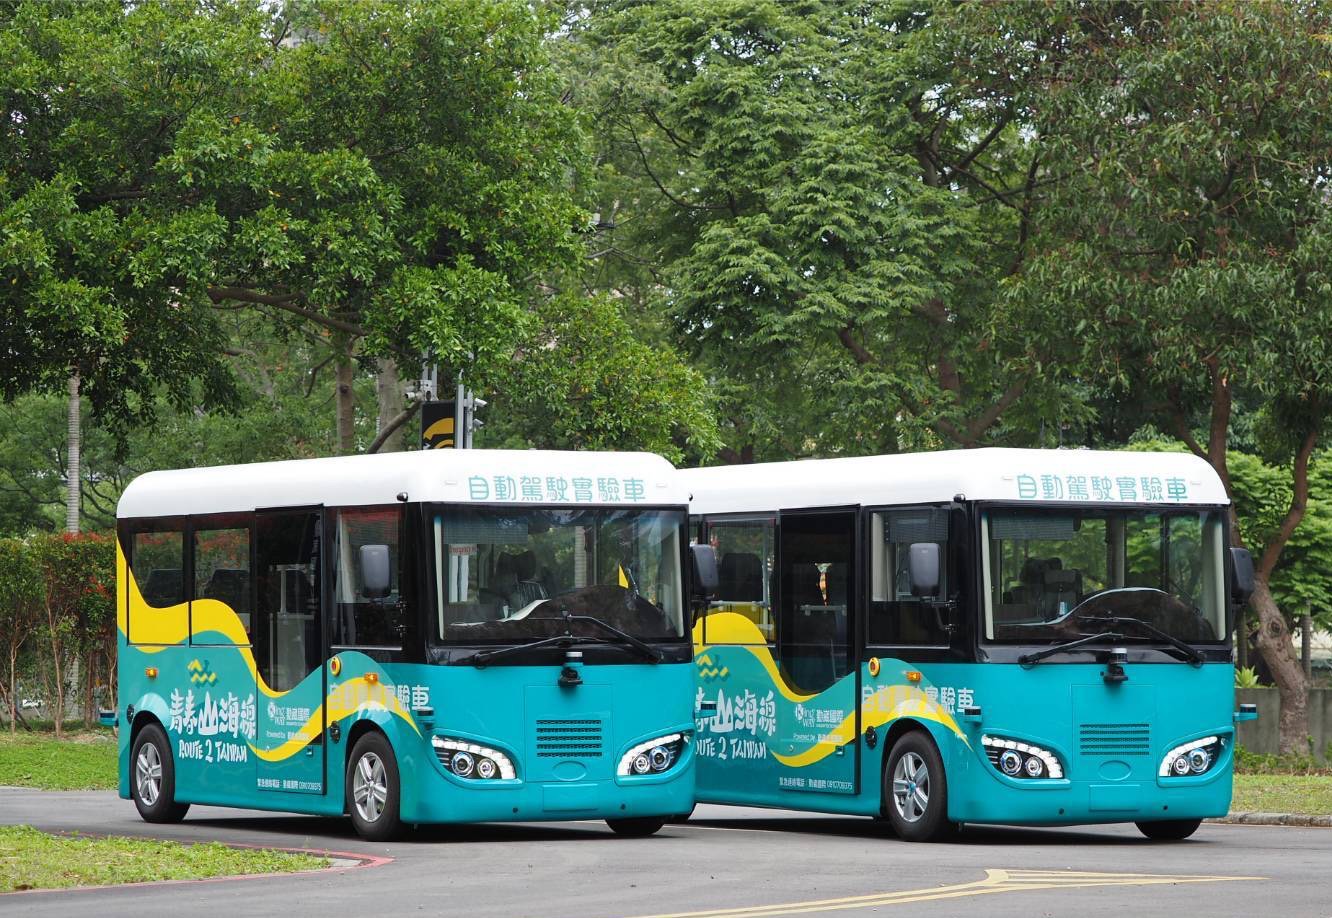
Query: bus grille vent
(569,739)
(1115,739)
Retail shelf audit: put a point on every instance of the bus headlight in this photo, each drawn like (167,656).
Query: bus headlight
(1021,760)
(1192,758)
(652,757)
(468,760)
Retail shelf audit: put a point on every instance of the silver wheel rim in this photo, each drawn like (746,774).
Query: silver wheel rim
(911,787)
(148,774)
(369,787)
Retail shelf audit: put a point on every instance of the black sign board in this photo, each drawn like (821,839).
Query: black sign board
(437,420)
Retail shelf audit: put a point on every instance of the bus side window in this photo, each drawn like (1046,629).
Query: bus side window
(157,562)
(744,582)
(361,620)
(896,617)
(222,570)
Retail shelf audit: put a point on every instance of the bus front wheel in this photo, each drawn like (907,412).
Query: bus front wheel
(153,779)
(373,791)
(637,827)
(915,790)
(1169,829)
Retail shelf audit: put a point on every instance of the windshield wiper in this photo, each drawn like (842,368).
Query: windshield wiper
(1027,659)
(649,652)
(1192,655)
(482,657)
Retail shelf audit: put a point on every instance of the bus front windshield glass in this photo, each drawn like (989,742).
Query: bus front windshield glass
(1059,575)
(509,575)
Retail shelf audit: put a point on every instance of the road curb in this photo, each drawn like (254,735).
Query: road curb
(1275,819)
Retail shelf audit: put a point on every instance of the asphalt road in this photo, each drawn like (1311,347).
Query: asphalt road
(724,863)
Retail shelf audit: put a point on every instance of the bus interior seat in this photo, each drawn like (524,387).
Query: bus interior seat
(163,587)
(740,577)
(230,586)
(740,588)
(527,589)
(1062,590)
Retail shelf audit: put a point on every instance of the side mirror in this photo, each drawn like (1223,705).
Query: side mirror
(375,579)
(1241,575)
(703,567)
(923,564)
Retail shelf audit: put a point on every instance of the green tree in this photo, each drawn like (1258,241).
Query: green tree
(829,192)
(586,382)
(1181,244)
(76,573)
(20,605)
(102,250)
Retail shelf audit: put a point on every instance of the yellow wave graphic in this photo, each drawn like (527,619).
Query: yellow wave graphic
(351,697)
(739,633)
(888,703)
(152,630)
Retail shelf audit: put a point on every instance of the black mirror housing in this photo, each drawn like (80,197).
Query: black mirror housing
(703,583)
(923,563)
(375,576)
(1241,575)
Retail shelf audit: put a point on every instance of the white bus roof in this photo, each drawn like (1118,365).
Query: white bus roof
(1028,475)
(445,475)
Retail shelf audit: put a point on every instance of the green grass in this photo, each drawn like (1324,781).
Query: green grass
(30,859)
(81,761)
(1309,795)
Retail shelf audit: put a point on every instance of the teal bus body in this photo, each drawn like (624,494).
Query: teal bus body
(224,768)
(1043,706)
(947,638)
(304,637)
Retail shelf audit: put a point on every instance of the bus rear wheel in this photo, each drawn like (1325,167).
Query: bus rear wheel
(915,790)
(373,791)
(153,777)
(636,827)
(1169,829)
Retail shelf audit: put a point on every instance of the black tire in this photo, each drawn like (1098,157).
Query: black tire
(372,776)
(1169,829)
(153,777)
(636,827)
(920,813)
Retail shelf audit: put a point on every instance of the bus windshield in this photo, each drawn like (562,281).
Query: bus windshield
(510,575)
(1058,575)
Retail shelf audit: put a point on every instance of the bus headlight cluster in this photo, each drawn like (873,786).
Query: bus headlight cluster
(1021,760)
(652,757)
(468,760)
(1193,758)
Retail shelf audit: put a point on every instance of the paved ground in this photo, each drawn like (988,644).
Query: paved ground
(725,863)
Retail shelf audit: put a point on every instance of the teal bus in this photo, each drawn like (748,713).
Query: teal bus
(982,636)
(423,637)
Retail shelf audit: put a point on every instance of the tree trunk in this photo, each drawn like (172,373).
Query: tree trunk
(13,689)
(345,394)
(1273,639)
(89,688)
(73,490)
(389,395)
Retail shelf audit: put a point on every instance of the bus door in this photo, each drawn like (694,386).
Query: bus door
(818,599)
(288,649)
